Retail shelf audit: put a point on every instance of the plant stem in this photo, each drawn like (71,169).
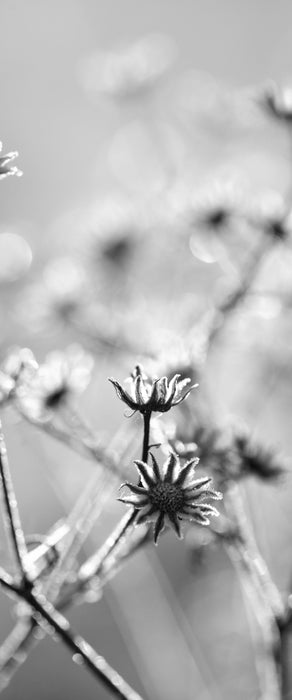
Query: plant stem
(237,296)
(12,519)
(85,654)
(264,597)
(23,638)
(116,537)
(55,623)
(88,446)
(145,448)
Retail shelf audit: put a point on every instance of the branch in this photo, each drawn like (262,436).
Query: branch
(12,518)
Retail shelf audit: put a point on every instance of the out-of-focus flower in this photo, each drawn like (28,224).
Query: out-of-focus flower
(147,394)
(229,454)
(57,296)
(218,454)
(130,70)
(15,255)
(216,106)
(170,495)
(5,164)
(19,364)
(271,215)
(62,375)
(113,231)
(6,387)
(276,100)
(257,460)
(215,206)
(177,356)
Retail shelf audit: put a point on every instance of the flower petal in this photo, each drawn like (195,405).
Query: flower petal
(146,472)
(198,484)
(170,467)
(175,524)
(156,471)
(203,508)
(136,501)
(159,526)
(123,395)
(146,515)
(141,392)
(185,471)
(139,490)
(179,400)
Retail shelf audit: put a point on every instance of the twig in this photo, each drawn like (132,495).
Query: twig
(12,518)
(263,595)
(116,537)
(237,296)
(54,622)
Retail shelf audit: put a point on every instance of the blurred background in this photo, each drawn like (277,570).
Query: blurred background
(108,133)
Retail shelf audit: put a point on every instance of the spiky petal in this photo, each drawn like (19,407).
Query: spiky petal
(171,494)
(147,394)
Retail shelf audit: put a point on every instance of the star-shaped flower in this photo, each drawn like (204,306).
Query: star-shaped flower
(171,495)
(146,394)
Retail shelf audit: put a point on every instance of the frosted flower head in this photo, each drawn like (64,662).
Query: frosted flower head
(146,394)
(6,168)
(59,378)
(170,495)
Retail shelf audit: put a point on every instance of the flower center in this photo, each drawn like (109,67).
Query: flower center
(168,498)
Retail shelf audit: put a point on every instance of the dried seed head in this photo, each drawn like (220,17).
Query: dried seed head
(146,394)
(171,495)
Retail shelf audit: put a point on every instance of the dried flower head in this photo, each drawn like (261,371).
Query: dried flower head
(171,495)
(62,375)
(5,167)
(147,394)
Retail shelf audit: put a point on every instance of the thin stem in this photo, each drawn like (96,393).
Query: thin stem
(61,542)
(81,520)
(263,595)
(12,519)
(118,534)
(14,651)
(237,296)
(24,638)
(7,582)
(83,653)
(88,446)
(145,448)
(267,586)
